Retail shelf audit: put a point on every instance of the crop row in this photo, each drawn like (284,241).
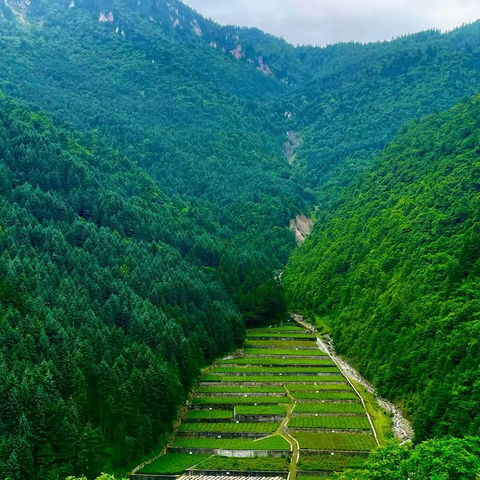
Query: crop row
(274,378)
(301,387)
(277,464)
(299,335)
(283,352)
(238,400)
(285,370)
(241,389)
(292,327)
(260,410)
(199,414)
(328,408)
(231,427)
(315,462)
(172,464)
(325,395)
(360,423)
(281,343)
(297,362)
(275,442)
(335,441)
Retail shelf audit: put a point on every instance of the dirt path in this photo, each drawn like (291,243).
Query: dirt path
(293,443)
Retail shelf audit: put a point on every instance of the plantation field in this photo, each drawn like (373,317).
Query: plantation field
(360,423)
(199,414)
(320,386)
(325,395)
(241,389)
(260,427)
(279,351)
(328,408)
(283,328)
(281,343)
(335,441)
(235,400)
(279,377)
(277,464)
(172,464)
(312,477)
(332,463)
(275,442)
(260,410)
(280,335)
(285,370)
(297,362)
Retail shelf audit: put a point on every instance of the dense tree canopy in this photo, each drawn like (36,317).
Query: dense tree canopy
(396,269)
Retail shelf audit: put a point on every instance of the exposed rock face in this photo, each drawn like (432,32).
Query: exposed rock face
(262,67)
(196,28)
(106,18)
(302,227)
(291,145)
(237,52)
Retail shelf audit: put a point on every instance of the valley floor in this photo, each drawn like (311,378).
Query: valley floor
(281,409)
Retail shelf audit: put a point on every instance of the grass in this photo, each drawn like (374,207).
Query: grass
(199,414)
(331,463)
(382,420)
(320,386)
(328,408)
(232,427)
(239,400)
(335,441)
(260,410)
(277,361)
(241,389)
(281,343)
(312,477)
(325,395)
(291,327)
(279,351)
(172,464)
(286,370)
(275,442)
(277,464)
(274,378)
(360,423)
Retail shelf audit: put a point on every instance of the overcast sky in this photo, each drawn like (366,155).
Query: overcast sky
(328,21)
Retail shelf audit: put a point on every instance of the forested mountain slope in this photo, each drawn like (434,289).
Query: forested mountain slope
(396,270)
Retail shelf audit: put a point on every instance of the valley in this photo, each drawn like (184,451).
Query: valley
(280,408)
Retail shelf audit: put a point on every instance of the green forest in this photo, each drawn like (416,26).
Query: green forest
(146,192)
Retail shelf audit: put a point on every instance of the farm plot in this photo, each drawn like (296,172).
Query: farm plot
(297,362)
(260,410)
(172,464)
(328,408)
(208,414)
(292,327)
(279,377)
(238,400)
(283,352)
(276,464)
(230,427)
(317,386)
(286,370)
(281,343)
(241,389)
(275,442)
(330,463)
(325,395)
(335,441)
(342,423)
(300,336)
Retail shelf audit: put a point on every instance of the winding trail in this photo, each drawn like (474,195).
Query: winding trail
(292,475)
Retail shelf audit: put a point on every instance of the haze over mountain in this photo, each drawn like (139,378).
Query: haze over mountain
(153,163)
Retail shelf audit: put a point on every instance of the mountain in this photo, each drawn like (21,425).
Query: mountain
(153,162)
(395,272)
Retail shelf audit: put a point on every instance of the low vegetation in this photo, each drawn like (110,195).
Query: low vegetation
(172,464)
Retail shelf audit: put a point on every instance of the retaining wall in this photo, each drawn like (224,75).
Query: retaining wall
(230,453)
(254,435)
(236,473)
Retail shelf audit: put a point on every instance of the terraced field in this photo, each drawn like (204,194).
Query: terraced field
(282,408)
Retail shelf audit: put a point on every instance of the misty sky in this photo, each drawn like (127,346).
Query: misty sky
(328,21)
